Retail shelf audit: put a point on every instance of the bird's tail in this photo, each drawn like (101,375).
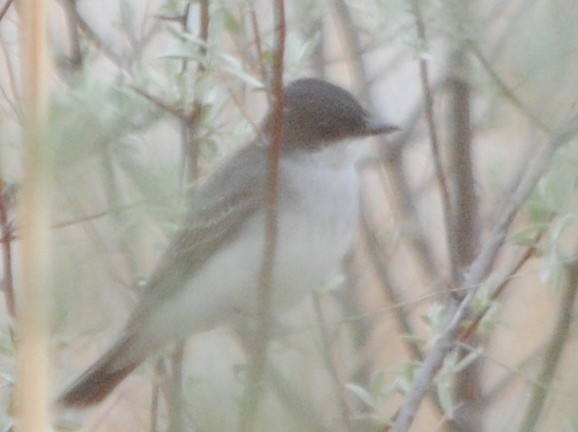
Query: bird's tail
(103,376)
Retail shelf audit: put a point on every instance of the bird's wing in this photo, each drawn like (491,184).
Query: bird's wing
(220,208)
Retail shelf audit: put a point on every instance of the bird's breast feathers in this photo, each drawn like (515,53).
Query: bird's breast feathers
(317,220)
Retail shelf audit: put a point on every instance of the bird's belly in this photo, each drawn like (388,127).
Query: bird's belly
(308,255)
(305,257)
(311,243)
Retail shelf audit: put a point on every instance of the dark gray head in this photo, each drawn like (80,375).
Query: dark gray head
(317,113)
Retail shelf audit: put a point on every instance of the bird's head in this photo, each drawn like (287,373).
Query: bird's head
(317,113)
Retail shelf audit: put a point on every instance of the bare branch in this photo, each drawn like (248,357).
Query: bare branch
(7,233)
(252,395)
(553,353)
(92,36)
(435,148)
(5,8)
(474,277)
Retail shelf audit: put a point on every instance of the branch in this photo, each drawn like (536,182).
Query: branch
(510,96)
(91,34)
(474,277)
(330,364)
(435,148)
(7,233)
(252,394)
(553,353)
(5,8)
(33,323)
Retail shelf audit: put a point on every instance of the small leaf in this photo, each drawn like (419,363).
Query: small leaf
(362,394)
(232,23)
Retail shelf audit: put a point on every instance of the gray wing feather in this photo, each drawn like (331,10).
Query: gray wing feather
(219,209)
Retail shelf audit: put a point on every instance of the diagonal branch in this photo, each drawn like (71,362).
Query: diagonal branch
(474,277)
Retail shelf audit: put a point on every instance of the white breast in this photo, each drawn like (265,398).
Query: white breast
(317,223)
(318,208)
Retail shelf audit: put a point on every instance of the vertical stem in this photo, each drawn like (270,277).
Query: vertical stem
(32,312)
(253,390)
(435,147)
(553,354)
(191,149)
(465,204)
(7,234)
(194,118)
(331,367)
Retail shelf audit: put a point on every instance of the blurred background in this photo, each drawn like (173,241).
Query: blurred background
(148,97)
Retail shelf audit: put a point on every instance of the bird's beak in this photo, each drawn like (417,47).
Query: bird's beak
(379,127)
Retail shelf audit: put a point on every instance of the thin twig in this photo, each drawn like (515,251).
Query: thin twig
(176,111)
(75,58)
(396,172)
(14,83)
(353,43)
(553,353)
(253,390)
(510,96)
(93,37)
(5,8)
(155,400)
(191,123)
(330,364)
(7,232)
(515,268)
(385,279)
(388,287)
(175,397)
(190,149)
(476,275)
(435,148)
(258,44)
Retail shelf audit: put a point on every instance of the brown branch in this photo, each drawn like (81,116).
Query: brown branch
(176,111)
(13,82)
(330,365)
(465,217)
(7,233)
(175,397)
(476,274)
(386,282)
(75,58)
(466,207)
(92,36)
(252,393)
(435,148)
(516,266)
(190,121)
(5,8)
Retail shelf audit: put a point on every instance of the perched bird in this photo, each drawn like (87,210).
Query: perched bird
(210,272)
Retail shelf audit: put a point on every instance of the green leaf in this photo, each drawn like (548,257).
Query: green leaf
(362,394)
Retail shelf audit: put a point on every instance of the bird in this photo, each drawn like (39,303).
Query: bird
(210,270)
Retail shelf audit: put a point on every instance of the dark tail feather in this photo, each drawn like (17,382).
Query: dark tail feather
(101,378)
